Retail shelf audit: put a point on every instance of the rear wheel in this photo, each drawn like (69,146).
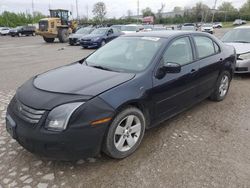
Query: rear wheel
(125,133)
(63,35)
(222,87)
(48,40)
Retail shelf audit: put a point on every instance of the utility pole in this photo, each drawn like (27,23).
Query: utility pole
(77,11)
(32,4)
(138,10)
(87,9)
(214,9)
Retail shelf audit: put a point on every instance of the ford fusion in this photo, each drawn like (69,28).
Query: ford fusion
(105,102)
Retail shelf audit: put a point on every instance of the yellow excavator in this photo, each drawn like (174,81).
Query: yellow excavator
(57,25)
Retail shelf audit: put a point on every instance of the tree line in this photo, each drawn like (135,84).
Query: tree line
(199,13)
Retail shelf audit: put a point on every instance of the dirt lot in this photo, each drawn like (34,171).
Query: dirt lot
(207,146)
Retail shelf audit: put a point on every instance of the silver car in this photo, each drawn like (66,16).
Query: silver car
(239,38)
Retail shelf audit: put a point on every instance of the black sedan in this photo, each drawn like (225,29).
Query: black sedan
(99,37)
(74,39)
(106,101)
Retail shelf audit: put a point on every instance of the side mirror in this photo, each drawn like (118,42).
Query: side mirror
(168,68)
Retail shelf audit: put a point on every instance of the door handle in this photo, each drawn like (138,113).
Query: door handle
(193,71)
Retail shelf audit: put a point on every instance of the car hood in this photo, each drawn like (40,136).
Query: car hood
(91,36)
(80,79)
(206,27)
(241,48)
(78,36)
(128,32)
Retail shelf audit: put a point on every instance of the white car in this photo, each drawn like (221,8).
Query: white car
(131,28)
(239,22)
(217,25)
(239,38)
(208,28)
(4,31)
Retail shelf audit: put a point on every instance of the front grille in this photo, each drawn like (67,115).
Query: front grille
(86,40)
(28,114)
(43,25)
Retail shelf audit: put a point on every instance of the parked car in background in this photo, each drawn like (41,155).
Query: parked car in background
(147,28)
(239,38)
(23,30)
(217,25)
(117,27)
(106,101)
(239,22)
(208,28)
(4,31)
(131,28)
(74,39)
(99,37)
(158,28)
(188,28)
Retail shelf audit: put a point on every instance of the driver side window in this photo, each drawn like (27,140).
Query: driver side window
(180,51)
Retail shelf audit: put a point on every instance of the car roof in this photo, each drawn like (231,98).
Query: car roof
(162,34)
(243,27)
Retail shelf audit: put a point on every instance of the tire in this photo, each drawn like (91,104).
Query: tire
(127,128)
(63,35)
(222,87)
(48,40)
(103,43)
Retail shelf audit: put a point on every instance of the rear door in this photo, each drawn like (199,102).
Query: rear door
(209,58)
(176,91)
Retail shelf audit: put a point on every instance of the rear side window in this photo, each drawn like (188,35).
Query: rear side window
(205,46)
(180,51)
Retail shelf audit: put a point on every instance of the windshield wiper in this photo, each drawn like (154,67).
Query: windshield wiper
(101,67)
(240,41)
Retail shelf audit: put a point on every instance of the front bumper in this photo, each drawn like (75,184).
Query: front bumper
(74,41)
(242,66)
(90,44)
(74,143)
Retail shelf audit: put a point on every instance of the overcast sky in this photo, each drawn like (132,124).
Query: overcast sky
(115,8)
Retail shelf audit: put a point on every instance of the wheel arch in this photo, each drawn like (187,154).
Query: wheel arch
(137,104)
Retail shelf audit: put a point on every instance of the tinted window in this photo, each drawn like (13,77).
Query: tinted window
(205,46)
(180,51)
(128,54)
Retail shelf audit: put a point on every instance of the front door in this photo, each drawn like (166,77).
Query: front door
(176,91)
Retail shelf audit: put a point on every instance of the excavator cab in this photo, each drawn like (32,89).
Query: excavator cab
(60,13)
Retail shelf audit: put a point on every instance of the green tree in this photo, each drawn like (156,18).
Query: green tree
(227,7)
(99,11)
(147,12)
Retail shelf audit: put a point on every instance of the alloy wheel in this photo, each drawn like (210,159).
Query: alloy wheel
(224,86)
(127,133)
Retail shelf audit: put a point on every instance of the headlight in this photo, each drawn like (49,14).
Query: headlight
(96,39)
(244,56)
(58,118)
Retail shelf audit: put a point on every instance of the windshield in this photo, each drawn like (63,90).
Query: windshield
(129,28)
(83,31)
(126,54)
(99,31)
(237,35)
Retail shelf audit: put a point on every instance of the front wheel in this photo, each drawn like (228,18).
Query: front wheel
(125,133)
(63,35)
(222,87)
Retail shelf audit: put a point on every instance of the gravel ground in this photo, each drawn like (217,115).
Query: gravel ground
(206,146)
